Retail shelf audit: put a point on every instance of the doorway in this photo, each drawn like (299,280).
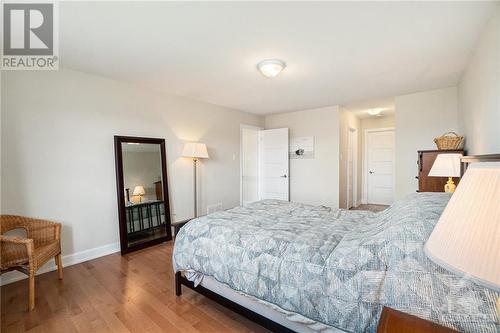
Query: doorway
(379,171)
(263,164)
(249,164)
(351,167)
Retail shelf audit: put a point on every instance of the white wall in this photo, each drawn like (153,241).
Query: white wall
(420,118)
(348,120)
(479,93)
(58,155)
(313,181)
(370,123)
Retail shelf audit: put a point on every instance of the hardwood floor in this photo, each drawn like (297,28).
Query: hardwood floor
(371,208)
(132,293)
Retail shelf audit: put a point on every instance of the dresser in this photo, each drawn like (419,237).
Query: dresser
(425,159)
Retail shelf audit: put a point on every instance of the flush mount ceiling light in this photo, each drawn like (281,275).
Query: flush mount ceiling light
(374,112)
(271,67)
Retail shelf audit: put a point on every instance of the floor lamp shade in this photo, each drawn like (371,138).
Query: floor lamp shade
(466,239)
(195,150)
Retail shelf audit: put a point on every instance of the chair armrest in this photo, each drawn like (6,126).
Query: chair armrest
(42,231)
(15,250)
(15,240)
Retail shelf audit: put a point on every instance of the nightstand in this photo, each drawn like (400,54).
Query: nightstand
(178,225)
(393,321)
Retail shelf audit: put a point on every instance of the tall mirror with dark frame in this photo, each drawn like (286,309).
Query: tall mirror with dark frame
(142,189)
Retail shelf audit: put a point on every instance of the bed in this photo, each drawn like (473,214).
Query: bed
(301,268)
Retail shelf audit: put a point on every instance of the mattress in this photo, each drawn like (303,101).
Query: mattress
(254,305)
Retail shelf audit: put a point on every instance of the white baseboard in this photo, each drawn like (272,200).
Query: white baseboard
(68,260)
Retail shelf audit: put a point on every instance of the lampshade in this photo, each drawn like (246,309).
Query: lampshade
(195,150)
(446,165)
(139,190)
(466,239)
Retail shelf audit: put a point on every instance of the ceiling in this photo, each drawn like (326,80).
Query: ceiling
(336,52)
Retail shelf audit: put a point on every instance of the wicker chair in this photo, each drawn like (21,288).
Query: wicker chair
(27,255)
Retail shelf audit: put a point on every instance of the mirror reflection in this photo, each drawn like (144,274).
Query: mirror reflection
(143,192)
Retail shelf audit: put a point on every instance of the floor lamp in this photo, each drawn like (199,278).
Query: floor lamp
(195,150)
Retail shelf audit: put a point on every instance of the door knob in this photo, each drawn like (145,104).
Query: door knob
(284,176)
(371,172)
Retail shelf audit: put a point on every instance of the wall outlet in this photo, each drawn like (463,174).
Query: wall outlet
(214,208)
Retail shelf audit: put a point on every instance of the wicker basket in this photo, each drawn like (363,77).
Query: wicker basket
(448,141)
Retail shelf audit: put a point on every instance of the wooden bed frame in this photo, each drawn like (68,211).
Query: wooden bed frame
(259,319)
(480,158)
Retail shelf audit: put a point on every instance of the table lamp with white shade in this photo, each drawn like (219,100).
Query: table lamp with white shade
(139,191)
(466,239)
(195,150)
(447,165)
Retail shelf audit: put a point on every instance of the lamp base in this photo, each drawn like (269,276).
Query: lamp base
(450,186)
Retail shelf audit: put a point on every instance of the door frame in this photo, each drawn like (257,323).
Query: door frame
(364,199)
(352,131)
(257,128)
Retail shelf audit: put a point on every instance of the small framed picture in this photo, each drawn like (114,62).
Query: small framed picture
(301,147)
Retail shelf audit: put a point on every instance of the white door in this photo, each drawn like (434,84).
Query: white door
(249,161)
(380,167)
(274,177)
